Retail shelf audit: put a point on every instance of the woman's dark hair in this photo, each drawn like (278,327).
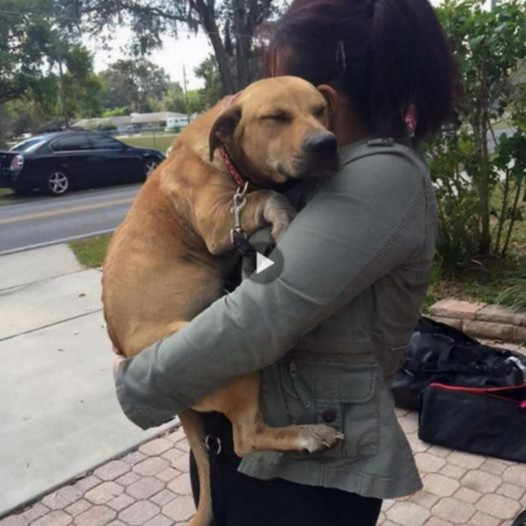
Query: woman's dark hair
(389,57)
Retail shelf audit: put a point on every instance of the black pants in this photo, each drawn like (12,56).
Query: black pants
(239,500)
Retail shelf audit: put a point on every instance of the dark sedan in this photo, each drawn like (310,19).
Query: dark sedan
(56,163)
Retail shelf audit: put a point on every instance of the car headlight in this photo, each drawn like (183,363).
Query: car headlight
(17,163)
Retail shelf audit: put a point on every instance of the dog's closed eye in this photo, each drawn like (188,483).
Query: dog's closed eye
(319,111)
(279,116)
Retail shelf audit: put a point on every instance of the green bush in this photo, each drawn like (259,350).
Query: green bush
(514,295)
(457,243)
(490,46)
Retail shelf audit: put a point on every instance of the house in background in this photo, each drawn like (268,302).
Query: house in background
(164,119)
(177,121)
(119,124)
(135,122)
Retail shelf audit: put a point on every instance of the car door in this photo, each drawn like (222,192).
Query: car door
(122,163)
(71,152)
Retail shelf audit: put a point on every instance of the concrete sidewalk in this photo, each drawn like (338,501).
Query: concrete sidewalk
(59,415)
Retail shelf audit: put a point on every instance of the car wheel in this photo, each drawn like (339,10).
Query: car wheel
(149,166)
(58,183)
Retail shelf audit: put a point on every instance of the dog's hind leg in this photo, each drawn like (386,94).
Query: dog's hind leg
(193,429)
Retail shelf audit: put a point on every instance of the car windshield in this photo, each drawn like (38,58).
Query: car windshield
(29,145)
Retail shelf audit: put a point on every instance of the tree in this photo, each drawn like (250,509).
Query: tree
(29,112)
(195,101)
(24,41)
(230,26)
(132,83)
(173,100)
(209,72)
(65,92)
(44,72)
(489,47)
(78,86)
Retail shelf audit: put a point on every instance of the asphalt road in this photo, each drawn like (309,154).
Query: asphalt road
(38,221)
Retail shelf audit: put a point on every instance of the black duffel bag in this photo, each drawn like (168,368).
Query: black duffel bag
(439,353)
(485,421)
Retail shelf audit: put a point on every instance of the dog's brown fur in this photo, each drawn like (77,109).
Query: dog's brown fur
(167,260)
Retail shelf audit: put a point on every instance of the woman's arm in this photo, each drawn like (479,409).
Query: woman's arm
(358,227)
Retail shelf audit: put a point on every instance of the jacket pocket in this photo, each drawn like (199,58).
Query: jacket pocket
(340,396)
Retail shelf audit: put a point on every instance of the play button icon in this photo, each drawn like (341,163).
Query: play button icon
(266,263)
(262,263)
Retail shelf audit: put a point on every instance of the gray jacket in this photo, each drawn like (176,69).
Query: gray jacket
(328,332)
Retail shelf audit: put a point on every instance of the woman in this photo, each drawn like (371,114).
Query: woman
(329,331)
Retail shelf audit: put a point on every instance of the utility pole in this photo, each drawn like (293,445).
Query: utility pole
(59,58)
(186,95)
(61,47)
(62,87)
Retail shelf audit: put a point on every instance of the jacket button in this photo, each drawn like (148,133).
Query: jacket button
(329,415)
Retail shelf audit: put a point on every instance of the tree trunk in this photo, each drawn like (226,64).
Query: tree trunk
(207,17)
(513,217)
(485,187)
(243,34)
(62,88)
(3,126)
(482,183)
(502,216)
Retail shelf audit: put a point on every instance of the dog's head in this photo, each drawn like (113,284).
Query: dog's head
(275,129)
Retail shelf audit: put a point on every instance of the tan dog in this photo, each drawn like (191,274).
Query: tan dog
(168,259)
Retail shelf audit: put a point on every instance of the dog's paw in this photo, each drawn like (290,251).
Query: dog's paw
(319,437)
(279,213)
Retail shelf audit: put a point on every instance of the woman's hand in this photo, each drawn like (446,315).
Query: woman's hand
(117,360)
(140,414)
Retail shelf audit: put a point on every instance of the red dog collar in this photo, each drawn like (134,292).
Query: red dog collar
(234,172)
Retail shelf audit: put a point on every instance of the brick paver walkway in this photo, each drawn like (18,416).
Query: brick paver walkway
(150,487)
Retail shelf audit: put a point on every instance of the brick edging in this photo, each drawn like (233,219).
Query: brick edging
(482,320)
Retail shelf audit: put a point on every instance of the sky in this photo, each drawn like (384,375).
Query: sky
(188,51)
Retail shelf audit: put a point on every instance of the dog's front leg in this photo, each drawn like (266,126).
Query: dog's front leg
(214,218)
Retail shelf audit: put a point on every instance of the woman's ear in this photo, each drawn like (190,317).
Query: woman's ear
(331,96)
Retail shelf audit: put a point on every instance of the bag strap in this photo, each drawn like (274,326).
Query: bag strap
(497,391)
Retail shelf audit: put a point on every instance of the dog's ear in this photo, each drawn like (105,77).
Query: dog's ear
(223,127)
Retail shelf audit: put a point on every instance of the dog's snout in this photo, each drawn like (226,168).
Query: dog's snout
(321,144)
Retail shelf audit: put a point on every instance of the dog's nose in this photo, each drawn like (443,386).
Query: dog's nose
(321,144)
